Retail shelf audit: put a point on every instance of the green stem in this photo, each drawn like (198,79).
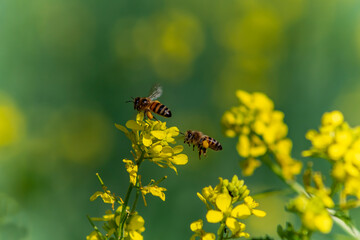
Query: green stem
(277,170)
(221,231)
(135,201)
(123,215)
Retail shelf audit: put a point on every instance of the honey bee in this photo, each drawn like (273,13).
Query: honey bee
(148,104)
(202,141)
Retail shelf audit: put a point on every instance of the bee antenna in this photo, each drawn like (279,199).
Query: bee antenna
(130,101)
(181,133)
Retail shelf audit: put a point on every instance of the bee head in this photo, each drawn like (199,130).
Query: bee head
(137,103)
(188,135)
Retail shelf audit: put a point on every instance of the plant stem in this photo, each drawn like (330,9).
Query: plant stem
(123,216)
(277,170)
(221,231)
(135,201)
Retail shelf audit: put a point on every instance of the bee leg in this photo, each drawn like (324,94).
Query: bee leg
(193,147)
(155,118)
(204,151)
(149,115)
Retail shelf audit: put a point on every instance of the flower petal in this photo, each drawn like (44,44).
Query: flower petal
(133,125)
(180,159)
(258,213)
(158,134)
(178,149)
(223,201)
(214,216)
(241,211)
(233,225)
(196,226)
(121,128)
(147,140)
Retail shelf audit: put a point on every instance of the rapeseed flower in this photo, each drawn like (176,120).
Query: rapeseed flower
(196,227)
(337,142)
(260,130)
(152,140)
(222,204)
(154,189)
(313,206)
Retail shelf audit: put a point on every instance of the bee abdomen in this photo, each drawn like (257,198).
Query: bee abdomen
(213,144)
(160,109)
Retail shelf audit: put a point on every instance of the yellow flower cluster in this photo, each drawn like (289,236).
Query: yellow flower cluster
(260,130)
(133,227)
(151,140)
(340,144)
(220,202)
(313,207)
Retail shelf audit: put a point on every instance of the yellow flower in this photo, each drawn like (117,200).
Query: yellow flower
(313,207)
(132,169)
(339,143)
(106,196)
(222,198)
(261,131)
(134,227)
(93,236)
(249,165)
(153,139)
(334,118)
(154,190)
(199,232)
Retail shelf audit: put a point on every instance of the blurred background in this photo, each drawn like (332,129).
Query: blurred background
(67,67)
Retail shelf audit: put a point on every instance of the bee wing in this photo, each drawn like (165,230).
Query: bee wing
(155,92)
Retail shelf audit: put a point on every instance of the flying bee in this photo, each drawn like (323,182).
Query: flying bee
(148,104)
(202,141)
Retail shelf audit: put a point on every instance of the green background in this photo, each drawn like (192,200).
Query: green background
(67,67)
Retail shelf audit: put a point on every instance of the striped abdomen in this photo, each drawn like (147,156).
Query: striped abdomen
(160,109)
(213,144)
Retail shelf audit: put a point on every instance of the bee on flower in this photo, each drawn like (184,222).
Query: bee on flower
(149,104)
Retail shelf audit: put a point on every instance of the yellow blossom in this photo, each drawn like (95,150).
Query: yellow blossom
(338,142)
(249,165)
(106,196)
(153,139)
(93,236)
(261,130)
(134,227)
(313,207)
(199,232)
(223,199)
(154,190)
(132,169)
